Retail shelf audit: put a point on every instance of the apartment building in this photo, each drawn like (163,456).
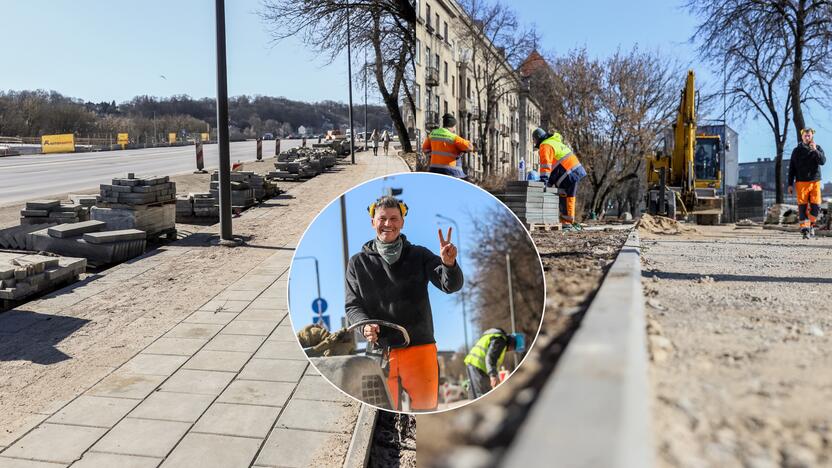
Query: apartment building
(445,83)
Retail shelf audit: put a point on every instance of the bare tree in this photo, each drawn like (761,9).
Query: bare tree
(386,26)
(494,44)
(780,56)
(611,112)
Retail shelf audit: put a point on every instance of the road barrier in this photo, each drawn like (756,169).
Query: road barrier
(200,161)
(277,147)
(259,149)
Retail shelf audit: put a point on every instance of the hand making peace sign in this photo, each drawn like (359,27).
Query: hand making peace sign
(447,250)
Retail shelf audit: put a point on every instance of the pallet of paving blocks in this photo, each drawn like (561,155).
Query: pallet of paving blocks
(26,275)
(53,211)
(147,204)
(531,202)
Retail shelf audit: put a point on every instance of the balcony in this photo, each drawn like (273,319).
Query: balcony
(474,110)
(432,76)
(431,119)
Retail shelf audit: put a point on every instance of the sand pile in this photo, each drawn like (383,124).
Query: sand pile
(659,225)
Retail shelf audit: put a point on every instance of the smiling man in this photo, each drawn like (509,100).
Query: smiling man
(388,280)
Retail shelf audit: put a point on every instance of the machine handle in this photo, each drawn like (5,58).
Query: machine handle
(384,323)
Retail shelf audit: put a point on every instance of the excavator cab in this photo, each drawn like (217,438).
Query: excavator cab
(706,161)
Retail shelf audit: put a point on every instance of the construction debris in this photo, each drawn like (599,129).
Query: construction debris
(531,202)
(24,275)
(660,225)
(780,213)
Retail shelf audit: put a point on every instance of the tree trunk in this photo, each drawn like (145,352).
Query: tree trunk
(797,74)
(778,172)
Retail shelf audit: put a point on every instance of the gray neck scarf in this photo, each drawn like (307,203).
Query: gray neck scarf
(390,252)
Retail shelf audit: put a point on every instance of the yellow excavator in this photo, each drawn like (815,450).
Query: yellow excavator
(686,181)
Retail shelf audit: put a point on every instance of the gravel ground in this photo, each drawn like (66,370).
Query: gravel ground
(476,434)
(740,328)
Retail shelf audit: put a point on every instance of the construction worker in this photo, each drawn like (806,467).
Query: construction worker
(486,357)
(804,177)
(444,147)
(388,280)
(559,167)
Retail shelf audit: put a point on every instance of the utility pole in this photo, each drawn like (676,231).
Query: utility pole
(511,302)
(344,242)
(349,74)
(222,126)
(365,99)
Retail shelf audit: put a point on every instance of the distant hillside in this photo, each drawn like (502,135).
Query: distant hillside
(34,113)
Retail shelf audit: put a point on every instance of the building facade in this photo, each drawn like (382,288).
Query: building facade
(445,83)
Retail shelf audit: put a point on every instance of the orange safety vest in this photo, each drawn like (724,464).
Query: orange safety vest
(444,148)
(554,154)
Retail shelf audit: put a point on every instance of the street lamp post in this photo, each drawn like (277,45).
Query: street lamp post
(222,127)
(349,73)
(459,251)
(365,99)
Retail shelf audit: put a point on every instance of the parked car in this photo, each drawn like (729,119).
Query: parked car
(268,136)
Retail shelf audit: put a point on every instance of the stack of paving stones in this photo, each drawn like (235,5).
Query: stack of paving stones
(262,187)
(749,204)
(90,240)
(147,204)
(53,211)
(184,206)
(242,195)
(24,275)
(532,203)
(205,205)
(300,163)
(14,238)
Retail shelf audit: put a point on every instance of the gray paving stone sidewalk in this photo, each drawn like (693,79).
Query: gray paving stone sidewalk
(225,385)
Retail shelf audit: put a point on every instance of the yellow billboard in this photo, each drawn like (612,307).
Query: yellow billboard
(171,138)
(64,143)
(204,137)
(123,139)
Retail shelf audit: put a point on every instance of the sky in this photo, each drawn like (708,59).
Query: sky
(605,25)
(426,195)
(101,50)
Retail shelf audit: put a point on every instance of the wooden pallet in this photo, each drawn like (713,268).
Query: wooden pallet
(543,227)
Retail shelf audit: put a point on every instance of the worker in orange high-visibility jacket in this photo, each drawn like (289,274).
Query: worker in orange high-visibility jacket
(804,178)
(559,167)
(444,147)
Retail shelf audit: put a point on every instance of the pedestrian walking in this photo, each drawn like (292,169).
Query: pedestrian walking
(385,138)
(804,178)
(374,138)
(559,167)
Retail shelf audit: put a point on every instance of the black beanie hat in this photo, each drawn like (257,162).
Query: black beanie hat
(448,120)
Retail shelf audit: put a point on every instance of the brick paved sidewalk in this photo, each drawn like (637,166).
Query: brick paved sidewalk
(218,383)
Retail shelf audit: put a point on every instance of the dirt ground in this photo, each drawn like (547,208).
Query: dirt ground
(740,328)
(475,435)
(394,441)
(185,183)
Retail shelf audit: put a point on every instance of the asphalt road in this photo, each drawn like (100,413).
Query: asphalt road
(29,177)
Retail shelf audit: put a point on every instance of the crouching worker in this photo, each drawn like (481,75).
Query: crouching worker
(484,361)
(388,280)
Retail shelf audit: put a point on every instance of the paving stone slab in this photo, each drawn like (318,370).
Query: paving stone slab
(213,451)
(56,443)
(261,315)
(42,204)
(76,229)
(107,237)
(253,392)
(106,460)
(175,346)
(237,295)
(244,343)
(218,318)
(266,302)
(193,330)
(315,387)
(26,423)
(168,406)
(143,437)
(123,385)
(94,411)
(301,449)
(283,333)
(197,381)
(238,420)
(153,364)
(18,463)
(224,305)
(273,370)
(281,350)
(229,361)
(322,416)
(249,327)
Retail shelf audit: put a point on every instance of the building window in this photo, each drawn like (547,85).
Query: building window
(446,31)
(427,17)
(436,62)
(446,72)
(417,96)
(468,88)
(453,86)
(418,52)
(427,56)
(437,22)
(446,106)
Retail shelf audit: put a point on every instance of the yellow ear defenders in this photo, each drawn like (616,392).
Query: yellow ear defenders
(372,208)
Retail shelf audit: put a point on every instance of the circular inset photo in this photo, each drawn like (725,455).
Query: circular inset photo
(416,292)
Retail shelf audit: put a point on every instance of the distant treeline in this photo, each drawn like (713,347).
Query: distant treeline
(35,113)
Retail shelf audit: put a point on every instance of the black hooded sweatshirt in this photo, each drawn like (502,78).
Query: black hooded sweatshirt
(805,163)
(398,293)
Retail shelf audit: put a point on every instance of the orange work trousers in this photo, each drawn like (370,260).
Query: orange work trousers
(808,202)
(415,369)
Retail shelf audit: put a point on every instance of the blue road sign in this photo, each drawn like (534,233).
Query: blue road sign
(321,320)
(319,305)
